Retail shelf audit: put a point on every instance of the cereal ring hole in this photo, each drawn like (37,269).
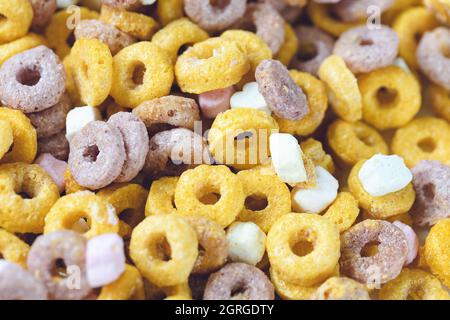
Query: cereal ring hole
(256,202)
(307,51)
(209,198)
(364,136)
(183,48)
(239,291)
(29,76)
(138,73)
(427,145)
(70,41)
(302,243)
(91,153)
(365,42)
(370,249)
(387,97)
(219,4)
(160,247)
(59,268)
(429,191)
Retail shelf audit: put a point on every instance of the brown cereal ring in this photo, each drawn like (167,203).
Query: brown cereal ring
(57,145)
(380,268)
(440,100)
(214,16)
(364,49)
(357,10)
(6,137)
(168,110)
(249,281)
(17,16)
(136,143)
(315,46)
(213,243)
(52,120)
(433,56)
(97,155)
(42,12)
(432,184)
(115,39)
(13,249)
(437,250)
(173,151)
(123,4)
(280,91)
(47,250)
(340,288)
(33,80)
(161,196)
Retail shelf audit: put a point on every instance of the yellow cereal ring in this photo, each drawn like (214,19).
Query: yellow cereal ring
(440,100)
(345,97)
(440,9)
(321,15)
(409,26)
(313,149)
(161,196)
(129,201)
(313,232)
(352,142)
(243,153)
(6,137)
(425,138)
(380,207)
(397,8)
(71,87)
(24,146)
(13,249)
(99,213)
(437,250)
(403,217)
(57,32)
(343,212)
(414,284)
(147,249)
(316,94)
(16,19)
(17,213)
(215,63)
(27,42)
(390,97)
(204,180)
(274,194)
(71,185)
(289,47)
(135,24)
(129,286)
(157,76)
(170,10)
(178,292)
(92,70)
(177,34)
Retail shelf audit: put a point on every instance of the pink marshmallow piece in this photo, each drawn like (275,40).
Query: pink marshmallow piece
(105,259)
(214,102)
(411,239)
(54,167)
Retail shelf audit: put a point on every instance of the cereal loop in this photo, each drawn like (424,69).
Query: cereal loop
(17,16)
(128,287)
(440,100)
(161,197)
(6,137)
(437,253)
(57,145)
(356,10)
(170,10)
(340,288)
(344,211)
(42,12)
(289,47)
(10,49)
(13,249)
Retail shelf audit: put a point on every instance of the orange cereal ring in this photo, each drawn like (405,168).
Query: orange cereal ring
(27,194)
(6,137)
(317,239)
(425,138)
(390,97)
(141,72)
(147,249)
(352,142)
(13,249)
(345,97)
(169,10)
(129,286)
(344,211)
(289,47)
(267,198)
(27,42)
(313,149)
(17,16)
(196,183)
(340,288)
(68,210)
(440,100)
(24,146)
(215,63)
(437,250)
(161,196)
(384,206)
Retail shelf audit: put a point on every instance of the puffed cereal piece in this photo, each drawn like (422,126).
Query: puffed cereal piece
(71,185)
(143,60)
(397,8)
(341,288)
(215,63)
(313,149)
(440,100)
(29,41)
(354,10)
(100,214)
(240,154)
(216,101)
(294,229)
(161,197)
(424,138)
(268,189)
(316,95)
(437,250)
(18,213)
(384,206)
(17,17)
(344,211)
(135,24)
(130,5)
(177,34)
(345,97)
(289,48)
(414,284)
(13,249)
(440,9)
(150,241)
(170,10)
(42,12)
(412,240)
(391,97)
(352,142)
(57,145)
(129,286)
(6,137)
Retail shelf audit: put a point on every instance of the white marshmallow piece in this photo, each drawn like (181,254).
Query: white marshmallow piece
(411,239)
(147,2)
(382,174)
(246,242)
(399,62)
(62,4)
(287,159)
(249,97)
(317,199)
(105,259)
(77,118)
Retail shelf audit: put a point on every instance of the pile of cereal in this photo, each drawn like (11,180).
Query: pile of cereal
(184,149)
